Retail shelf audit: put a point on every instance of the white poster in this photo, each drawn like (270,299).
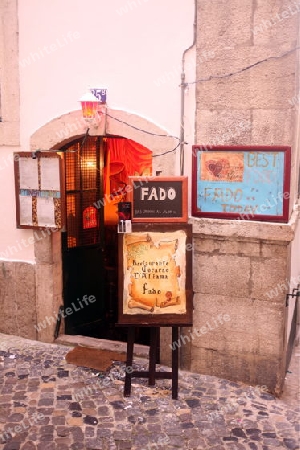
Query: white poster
(45,212)
(50,180)
(28,173)
(25,210)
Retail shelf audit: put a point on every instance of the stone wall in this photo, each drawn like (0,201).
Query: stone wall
(235,300)
(48,283)
(242,98)
(30,294)
(245,92)
(18,299)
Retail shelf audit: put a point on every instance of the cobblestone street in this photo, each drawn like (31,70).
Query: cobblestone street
(47,404)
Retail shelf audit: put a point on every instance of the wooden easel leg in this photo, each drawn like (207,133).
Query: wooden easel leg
(158,346)
(152,355)
(175,359)
(128,369)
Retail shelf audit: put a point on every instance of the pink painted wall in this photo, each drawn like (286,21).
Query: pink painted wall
(132,47)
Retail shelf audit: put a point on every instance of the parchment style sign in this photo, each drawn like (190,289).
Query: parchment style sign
(154,273)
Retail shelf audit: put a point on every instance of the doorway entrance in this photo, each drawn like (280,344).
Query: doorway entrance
(96,174)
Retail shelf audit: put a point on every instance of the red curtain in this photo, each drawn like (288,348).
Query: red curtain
(126,158)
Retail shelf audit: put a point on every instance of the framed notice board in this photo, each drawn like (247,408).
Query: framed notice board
(155,275)
(39,192)
(244,183)
(158,199)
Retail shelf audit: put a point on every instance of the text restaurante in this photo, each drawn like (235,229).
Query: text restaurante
(151,272)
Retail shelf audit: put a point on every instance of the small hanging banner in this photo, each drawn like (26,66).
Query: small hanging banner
(90,219)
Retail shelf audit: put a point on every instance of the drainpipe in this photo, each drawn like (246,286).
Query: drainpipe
(182,141)
(183,86)
(182,119)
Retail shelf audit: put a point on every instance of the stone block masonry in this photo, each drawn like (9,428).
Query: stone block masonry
(237,265)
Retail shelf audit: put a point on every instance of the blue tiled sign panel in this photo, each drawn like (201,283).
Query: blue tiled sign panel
(242,184)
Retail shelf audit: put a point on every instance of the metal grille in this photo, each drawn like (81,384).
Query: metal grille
(83,190)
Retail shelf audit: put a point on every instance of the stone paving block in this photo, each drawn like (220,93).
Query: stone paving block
(77,446)
(62,446)
(94,445)
(12,446)
(28,446)
(46,446)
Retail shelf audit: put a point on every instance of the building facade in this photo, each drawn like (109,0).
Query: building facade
(177,74)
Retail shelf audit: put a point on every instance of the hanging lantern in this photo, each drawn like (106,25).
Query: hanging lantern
(89,105)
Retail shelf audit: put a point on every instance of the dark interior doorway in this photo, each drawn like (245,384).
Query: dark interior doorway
(90,245)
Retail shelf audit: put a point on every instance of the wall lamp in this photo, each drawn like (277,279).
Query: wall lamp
(93,105)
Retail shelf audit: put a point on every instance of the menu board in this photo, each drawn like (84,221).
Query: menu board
(155,275)
(244,183)
(38,185)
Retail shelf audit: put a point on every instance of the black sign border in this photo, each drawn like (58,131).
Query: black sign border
(183,217)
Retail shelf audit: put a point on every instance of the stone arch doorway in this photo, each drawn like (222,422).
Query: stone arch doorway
(97,171)
(61,132)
